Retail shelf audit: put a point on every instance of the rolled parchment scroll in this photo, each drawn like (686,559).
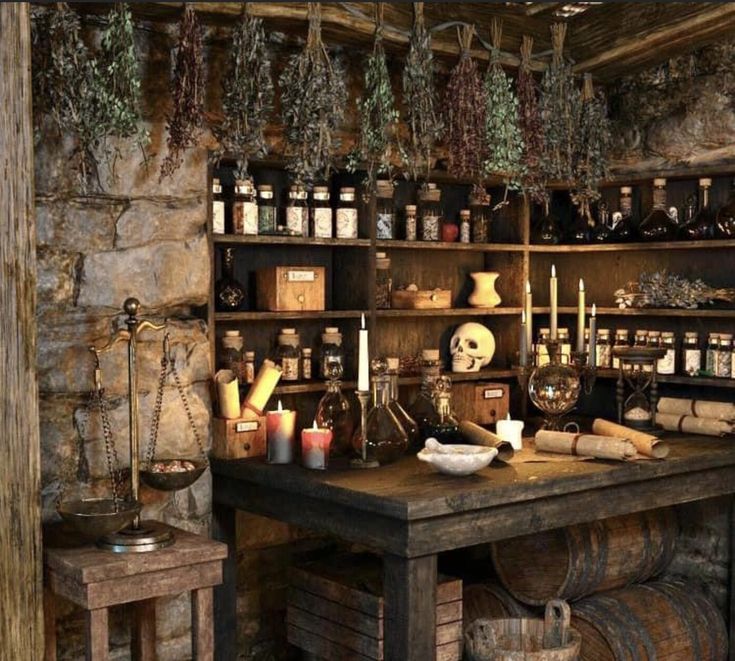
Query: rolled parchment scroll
(688,424)
(646,444)
(697,408)
(476,435)
(227,394)
(590,445)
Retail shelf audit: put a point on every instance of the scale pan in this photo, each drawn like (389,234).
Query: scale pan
(97,517)
(173,480)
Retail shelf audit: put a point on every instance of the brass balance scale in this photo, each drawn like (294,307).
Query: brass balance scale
(115,522)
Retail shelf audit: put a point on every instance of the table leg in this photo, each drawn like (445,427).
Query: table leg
(202,627)
(49,625)
(225,595)
(409,589)
(144,630)
(98,647)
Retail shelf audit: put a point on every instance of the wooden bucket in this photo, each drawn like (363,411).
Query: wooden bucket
(659,620)
(573,562)
(490,601)
(523,639)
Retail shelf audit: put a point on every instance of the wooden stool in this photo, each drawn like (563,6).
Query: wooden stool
(96,579)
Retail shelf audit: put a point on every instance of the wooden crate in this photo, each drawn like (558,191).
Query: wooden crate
(335,610)
(291,288)
(240,437)
(483,403)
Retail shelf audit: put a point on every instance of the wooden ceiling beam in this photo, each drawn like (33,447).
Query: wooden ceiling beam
(541,7)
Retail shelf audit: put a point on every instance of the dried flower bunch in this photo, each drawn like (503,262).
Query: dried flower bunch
(421,113)
(559,111)
(465,113)
(247,93)
(590,162)
(313,99)
(503,140)
(378,113)
(187,92)
(662,289)
(531,127)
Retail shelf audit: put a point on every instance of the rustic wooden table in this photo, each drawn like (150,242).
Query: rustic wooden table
(411,514)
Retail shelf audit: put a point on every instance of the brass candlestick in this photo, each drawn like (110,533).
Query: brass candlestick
(587,373)
(363,396)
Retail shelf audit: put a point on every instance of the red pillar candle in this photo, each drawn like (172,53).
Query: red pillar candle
(280,427)
(315,444)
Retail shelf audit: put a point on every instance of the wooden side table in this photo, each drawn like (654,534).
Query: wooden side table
(96,579)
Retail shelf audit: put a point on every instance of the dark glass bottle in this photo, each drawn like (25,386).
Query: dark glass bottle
(407,422)
(229,294)
(625,223)
(334,412)
(725,222)
(602,232)
(658,225)
(702,225)
(422,408)
(546,229)
(443,425)
(579,230)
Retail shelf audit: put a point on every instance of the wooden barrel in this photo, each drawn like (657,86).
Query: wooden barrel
(490,601)
(658,620)
(573,562)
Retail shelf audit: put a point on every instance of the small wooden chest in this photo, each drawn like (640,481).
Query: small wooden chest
(291,288)
(239,438)
(483,403)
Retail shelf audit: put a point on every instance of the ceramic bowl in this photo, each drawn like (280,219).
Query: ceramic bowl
(456,459)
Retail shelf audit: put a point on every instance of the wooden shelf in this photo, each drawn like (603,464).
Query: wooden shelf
(449,312)
(455,246)
(701,381)
(646,312)
(300,241)
(302,387)
(634,247)
(295,315)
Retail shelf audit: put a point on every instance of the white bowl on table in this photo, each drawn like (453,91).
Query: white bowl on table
(456,459)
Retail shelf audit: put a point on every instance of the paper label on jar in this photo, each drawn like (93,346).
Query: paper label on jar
(290,369)
(724,364)
(692,361)
(218,217)
(245,218)
(297,220)
(301,276)
(384,227)
(667,364)
(603,356)
(323,223)
(346,223)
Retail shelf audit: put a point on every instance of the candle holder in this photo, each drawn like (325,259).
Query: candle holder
(363,396)
(638,371)
(587,372)
(523,374)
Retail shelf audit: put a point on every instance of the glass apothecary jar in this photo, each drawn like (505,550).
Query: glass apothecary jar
(347,214)
(297,211)
(430,213)
(321,214)
(383,281)
(410,222)
(218,207)
(267,211)
(245,208)
(385,212)
(691,354)
(288,354)
(658,225)
(331,351)
(481,218)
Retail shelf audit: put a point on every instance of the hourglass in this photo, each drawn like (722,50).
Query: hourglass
(637,380)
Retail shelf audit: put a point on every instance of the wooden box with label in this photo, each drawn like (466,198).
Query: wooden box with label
(291,288)
(239,438)
(483,403)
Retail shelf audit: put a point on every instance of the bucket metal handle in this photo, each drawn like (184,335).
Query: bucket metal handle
(556,624)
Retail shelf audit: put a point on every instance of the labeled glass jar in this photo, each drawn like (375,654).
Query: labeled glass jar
(331,351)
(231,357)
(411,224)
(430,213)
(702,225)
(288,354)
(267,211)
(229,294)
(480,218)
(347,216)
(641,338)
(249,367)
(603,349)
(245,208)
(464,226)
(297,211)
(691,354)
(218,208)
(658,225)
(667,364)
(321,214)
(383,281)
(306,363)
(712,353)
(724,356)
(385,212)
(654,341)
(622,340)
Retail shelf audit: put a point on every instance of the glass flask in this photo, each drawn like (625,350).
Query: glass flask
(334,412)
(443,425)
(602,232)
(579,230)
(422,408)
(407,422)
(331,351)
(725,221)
(702,225)
(658,225)
(229,294)
(546,229)
(625,223)
(554,388)
(430,213)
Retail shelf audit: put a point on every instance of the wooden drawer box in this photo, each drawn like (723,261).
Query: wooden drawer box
(290,288)
(335,610)
(483,403)
(239,438)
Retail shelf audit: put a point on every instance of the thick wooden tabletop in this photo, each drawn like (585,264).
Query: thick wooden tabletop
(409,509)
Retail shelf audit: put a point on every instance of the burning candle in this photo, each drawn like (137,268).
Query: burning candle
(280,428)
(315,447)
(580,317)
(511,431)
(363,364)
(529,315)
(554,302)
(592,360)
(523,353)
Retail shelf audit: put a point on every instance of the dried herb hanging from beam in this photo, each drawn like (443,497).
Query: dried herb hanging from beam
(590,163)
(247,93)
(187,91)
(313,98)
(419,98)
(503,139)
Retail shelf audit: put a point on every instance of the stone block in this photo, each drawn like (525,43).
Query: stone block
(148,221)
(57,277)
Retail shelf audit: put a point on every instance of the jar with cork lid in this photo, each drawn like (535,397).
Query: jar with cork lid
(724,356)
(245,208)
(383,281)
(691,354)
(321,213)
(297,211)
(218,207)
(603,348)
(231,357)
(410,222)
(621,341)
(267,213)
(331,351)
(385,213)
(667,364)
(430,213)
(347,216)
(712,354)
(288,354)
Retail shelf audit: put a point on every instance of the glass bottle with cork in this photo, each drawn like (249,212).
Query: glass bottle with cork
(602,231)
(306,363)
(464,226)
(218,207)
(622,340)
(231,357)
(480,217)
(229,294)
(422,408)
(321,214)
(407,422)
(297,211)
(334,412)
(245,208)
(410,222)
(712,353)
(430,213)
(702,225)
(383,281)
(249,367)
(603,348)
(724,356)
(267,212)
(691,354)
(347,215)
(658,225)
(288,354)
(625,226)
(331,351)
(667,364)
(385,220)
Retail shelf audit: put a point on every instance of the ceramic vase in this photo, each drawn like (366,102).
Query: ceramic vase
(484,294)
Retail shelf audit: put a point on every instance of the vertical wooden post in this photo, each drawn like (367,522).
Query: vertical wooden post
(21,615)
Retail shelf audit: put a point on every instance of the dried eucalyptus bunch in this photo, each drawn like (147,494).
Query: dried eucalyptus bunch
(313,99)
(465,100)
(419,97)
(662,289)
(247,94)
(559,111)
(593,144)
(531,127)
(187,92)
(503,139)
(378,113)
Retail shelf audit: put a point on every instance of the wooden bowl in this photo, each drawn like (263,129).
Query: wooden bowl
(97,517)
(176,480)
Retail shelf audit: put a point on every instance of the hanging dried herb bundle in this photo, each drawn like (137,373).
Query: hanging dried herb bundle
(247,94)
(559,108)
(313,98)
(590,164)
(419,97)
(378,114)
(187,92)
(503,139)
(531,127)
(465,114)
(662,289)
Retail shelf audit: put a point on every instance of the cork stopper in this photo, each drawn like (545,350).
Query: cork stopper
(232,333)
(430,354)
(628,190)
(411,208)
(250,355)
(393,363)
(659,181)
(706,182)
(692,335)
(464,214)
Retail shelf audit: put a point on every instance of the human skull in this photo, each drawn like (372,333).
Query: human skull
(472,347)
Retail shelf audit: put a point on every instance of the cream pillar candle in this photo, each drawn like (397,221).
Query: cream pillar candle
(580,317)
(280,427)
(363,364)
(315,444)
(263,387)
(511,431)
(554,302)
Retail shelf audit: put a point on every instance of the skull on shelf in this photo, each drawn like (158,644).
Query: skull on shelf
(472,347)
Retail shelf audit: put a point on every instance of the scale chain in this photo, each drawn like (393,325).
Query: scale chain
(113,465)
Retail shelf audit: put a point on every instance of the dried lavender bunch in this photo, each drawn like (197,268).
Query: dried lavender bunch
(187,91)
(313,98)
(247,94)
(419,97)
(559,111)
(504,143)
(378,113)
(531,127)
(662,289)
